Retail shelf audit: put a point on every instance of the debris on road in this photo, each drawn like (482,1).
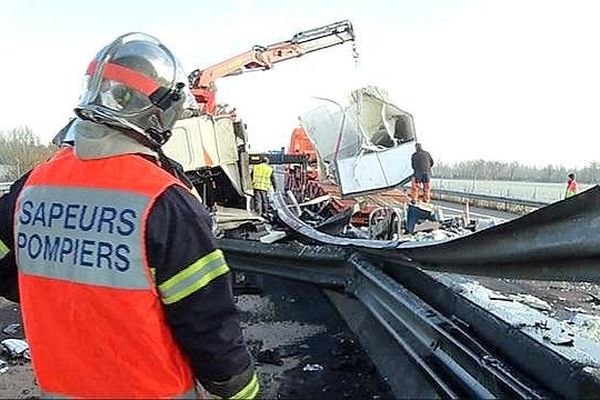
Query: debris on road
(562,341)
(533,302)
(16,348)
(575,310)
(11,329)
(270,356)
(499,296)
(313,368)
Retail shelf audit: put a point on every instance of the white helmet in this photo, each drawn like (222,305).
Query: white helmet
(136,85)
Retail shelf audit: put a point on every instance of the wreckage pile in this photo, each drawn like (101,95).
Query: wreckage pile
(13,351)
(408,222)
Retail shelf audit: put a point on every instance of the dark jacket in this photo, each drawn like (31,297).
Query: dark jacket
(422,163)
(206,322)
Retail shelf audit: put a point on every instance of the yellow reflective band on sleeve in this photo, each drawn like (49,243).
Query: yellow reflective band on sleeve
(4,250)
(194,277)
(249,391)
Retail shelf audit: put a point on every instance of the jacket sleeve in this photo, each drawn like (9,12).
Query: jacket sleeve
(9,287)
(194,282)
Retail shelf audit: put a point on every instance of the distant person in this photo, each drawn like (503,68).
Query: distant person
(571,187)
(263,180)
(421,164)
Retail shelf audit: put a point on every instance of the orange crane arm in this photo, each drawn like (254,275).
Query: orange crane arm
(262,58)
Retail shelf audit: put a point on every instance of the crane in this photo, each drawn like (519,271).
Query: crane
(261,58)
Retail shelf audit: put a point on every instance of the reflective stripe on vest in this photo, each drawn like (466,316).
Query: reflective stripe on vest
(261,176)
(4,250)
(249,391)
(194,277)
(92,314)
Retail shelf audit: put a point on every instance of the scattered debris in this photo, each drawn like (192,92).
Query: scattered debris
(484,224)
(270,356)
(16,348)
(576,310)
(272,237)
(247,283)
(435,235)
(537,324)
(594,299)
(499,296)
(313,368)
(562,341)
(11,329)
(586,325)
(3,366)
(288,299)
(532,301)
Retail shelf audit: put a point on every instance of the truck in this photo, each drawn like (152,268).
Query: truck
(213,146)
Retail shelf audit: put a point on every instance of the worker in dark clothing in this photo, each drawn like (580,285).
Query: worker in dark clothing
(123,290)
(421,164)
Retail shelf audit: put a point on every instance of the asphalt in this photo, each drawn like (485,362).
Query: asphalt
(302,347)
(451,209)
(17,382)
(320,358)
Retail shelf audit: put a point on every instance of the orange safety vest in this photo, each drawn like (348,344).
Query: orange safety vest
(571,189)
(91,310)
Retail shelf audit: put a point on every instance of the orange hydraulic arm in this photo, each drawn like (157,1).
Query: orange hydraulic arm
(264,57)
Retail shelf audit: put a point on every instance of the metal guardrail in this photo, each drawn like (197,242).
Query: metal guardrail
(547,244)
(460,360)
(507,200)
(455,363)
(490,202)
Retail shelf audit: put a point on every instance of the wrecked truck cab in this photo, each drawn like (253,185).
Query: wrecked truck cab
(367,143)
(212,151)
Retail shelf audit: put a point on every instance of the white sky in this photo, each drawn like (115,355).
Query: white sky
(498,80)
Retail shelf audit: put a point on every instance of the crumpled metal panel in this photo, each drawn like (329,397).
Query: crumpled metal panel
(367,144)
(557,242)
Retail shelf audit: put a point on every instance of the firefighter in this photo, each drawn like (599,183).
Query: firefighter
(123,290)
(263,180)
(421,164)
(571,186)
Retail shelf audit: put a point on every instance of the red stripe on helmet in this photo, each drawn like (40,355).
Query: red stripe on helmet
(126,76)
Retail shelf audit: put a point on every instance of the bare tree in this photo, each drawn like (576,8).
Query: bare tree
(514,171)
(20,151)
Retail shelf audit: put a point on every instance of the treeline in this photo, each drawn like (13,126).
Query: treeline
(514,171)
(20,151)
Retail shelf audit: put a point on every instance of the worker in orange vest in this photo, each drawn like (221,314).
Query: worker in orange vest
(123,291)
(571,186)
